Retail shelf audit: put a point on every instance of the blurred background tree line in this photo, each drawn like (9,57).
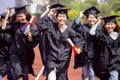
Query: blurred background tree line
(107,7)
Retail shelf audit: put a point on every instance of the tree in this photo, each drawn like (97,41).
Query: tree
(80,6)
(110,7)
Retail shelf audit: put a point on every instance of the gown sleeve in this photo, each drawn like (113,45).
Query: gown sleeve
(79,59)
(44,23)
(8,29)
(76,24)
(35,36)
(77,38)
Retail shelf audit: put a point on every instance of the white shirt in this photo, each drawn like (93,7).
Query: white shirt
(114,35)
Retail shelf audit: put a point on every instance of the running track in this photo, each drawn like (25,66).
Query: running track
(72,74)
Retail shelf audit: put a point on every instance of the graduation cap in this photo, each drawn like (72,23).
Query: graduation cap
(56,6)
(92,10)
(20,9)
(63,11)
(110,18)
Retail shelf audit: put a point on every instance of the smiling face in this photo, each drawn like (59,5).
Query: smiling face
(21,18)
(61,19)
(91,19)
(110,26)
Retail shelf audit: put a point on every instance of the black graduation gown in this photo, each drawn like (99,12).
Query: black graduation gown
(87,55)
(5,41)
(21,49)
(59,50)
(44,24)
(106,54)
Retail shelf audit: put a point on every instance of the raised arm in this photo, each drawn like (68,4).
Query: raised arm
(77,23)
(78,20)
(27,30)
(4,23)
(46,11)
(93,29)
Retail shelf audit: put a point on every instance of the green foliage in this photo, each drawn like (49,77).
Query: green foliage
(75,10)
(110,7)
(115,6)
(107,8)
(80,6)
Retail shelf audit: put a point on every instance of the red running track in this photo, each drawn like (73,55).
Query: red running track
(72,74)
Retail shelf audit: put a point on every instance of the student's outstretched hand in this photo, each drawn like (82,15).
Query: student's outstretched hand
(93,29)
(8,11)
(48,8)
(99,19)
(76,50)
(52,11)
(46,11)
(4,23)
(81,14)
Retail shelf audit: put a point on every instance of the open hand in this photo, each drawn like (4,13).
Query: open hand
(78,50)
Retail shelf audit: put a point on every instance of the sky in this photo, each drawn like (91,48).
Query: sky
(5,3)
(11,3)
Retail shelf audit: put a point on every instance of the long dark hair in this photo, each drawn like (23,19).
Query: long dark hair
(28,16)
(117,28)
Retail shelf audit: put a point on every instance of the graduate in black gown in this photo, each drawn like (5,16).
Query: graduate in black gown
(50,17)
(24,39)
(47,20)
(106,60)
(58,48)
(83,29)
(5,41)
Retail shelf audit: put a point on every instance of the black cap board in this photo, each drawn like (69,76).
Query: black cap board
(63,11)
(57,5)
(20,9)
(92,10)
(110,18)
